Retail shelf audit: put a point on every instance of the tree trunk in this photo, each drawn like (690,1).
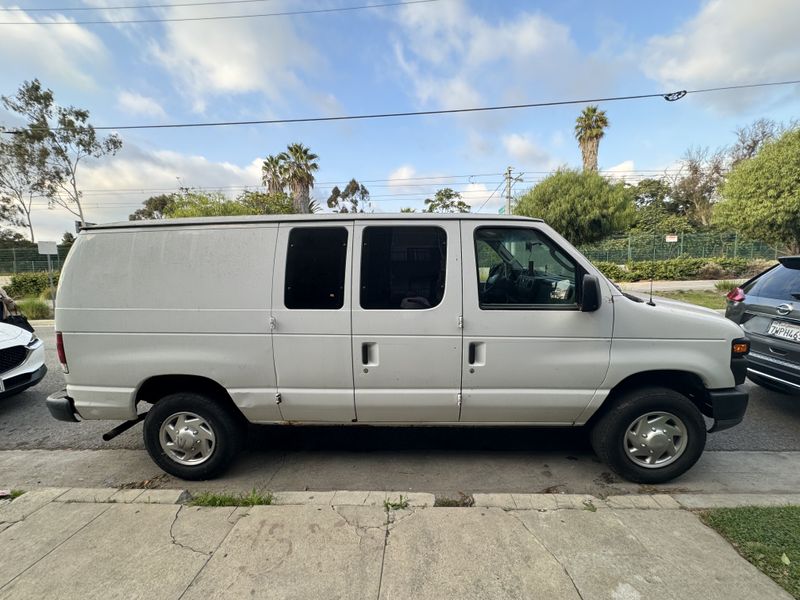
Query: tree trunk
(30,227)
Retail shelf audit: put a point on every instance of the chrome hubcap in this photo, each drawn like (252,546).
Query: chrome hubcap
(187,438)
(655,440)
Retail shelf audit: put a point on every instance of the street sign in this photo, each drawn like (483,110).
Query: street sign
(501,210)
(48,248)
(671,239)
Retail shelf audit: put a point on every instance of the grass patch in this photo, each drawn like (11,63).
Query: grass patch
(769,537)
(726,285)
(34,308)
(253,498)
(399,504)
(705,298)
(463,500)
(16,494)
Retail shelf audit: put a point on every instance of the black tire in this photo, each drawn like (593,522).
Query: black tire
(227,428)
(608,436)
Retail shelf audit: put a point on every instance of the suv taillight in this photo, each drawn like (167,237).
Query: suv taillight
(735,295)
(62,356)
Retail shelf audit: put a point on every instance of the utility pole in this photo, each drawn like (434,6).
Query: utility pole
(508,191)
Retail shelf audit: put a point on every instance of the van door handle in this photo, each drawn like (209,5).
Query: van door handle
(369,354)
(476,353)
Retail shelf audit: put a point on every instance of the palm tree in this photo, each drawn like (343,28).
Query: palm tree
(589,129)
(272,174)
(298,172)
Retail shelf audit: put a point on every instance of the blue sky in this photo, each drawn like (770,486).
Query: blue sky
(444,54)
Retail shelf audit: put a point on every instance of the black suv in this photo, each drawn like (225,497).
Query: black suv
(768,309)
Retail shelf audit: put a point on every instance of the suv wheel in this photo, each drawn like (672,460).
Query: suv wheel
(650,435)
(192,436)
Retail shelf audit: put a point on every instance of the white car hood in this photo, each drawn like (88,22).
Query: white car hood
(10,335)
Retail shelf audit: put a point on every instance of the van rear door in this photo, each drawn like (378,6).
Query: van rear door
(311,329)
(406,321)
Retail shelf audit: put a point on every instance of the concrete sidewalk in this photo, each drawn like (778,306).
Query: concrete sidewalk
(104,543)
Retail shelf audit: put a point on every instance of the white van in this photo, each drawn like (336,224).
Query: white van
(380,319)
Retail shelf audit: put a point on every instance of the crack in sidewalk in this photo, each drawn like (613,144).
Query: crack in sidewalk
(177,543)
(549,551)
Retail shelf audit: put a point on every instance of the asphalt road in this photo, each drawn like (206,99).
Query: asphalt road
(772,423)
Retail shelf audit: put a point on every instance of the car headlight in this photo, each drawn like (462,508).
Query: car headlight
(33,341)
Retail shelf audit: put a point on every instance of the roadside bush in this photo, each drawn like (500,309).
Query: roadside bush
(25,285)
(677,269)
(34,308)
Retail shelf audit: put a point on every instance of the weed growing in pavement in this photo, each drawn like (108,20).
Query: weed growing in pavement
(463,500)
(396,505)
(254,498)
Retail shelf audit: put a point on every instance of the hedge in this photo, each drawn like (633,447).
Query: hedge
(28,285)
(683,269)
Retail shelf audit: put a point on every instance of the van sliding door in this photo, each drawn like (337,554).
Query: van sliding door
(310,321)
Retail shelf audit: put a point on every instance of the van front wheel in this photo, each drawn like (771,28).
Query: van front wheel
(191,436)
(650,435)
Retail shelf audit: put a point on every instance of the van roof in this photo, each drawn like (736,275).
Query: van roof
(252,219)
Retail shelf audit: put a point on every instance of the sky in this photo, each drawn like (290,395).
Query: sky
(424,56)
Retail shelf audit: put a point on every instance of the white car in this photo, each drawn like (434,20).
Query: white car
(21,360)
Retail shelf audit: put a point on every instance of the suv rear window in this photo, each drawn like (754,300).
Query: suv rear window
(779,284)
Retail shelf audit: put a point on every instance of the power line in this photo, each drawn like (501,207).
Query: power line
(668,96)
(288,13)
(490,196)
(129,7)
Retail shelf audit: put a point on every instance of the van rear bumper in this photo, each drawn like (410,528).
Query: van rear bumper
(727,407)
(62,407)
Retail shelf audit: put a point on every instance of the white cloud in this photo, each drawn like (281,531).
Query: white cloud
(524,150)
(454,57)
(729,42)
(212,58)
(62,53)
(116,186)
(622,172)
(137,104)
(398,177)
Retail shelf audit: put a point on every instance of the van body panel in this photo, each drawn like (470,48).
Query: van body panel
(534,365)
(313,360)
(410,369)
(135,304)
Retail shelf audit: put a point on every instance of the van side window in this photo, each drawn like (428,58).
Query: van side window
(521,268)
(403,267)
(315,267)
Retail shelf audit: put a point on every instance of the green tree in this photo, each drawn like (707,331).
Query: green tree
(761,195)
(655,210)
(300,164)
(583,206)
(198,203)
(446,200)
(271,203)
(408,210)
(19,183)
(273,170)
(590,127)
(67,239)
(60,137)
(12,239)
(155,207)
(352,199)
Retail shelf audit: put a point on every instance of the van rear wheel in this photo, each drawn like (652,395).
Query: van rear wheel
(651,435)
(192,436)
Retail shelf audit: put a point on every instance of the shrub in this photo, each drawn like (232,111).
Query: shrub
(29,284)
(611,270)
(682,269)
(34,308)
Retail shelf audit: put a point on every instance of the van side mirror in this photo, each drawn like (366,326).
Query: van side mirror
(590,293)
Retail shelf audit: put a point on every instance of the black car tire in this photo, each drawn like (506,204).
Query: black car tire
(609,434)
(227,428)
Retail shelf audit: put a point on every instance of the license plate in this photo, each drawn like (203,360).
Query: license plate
(787,331)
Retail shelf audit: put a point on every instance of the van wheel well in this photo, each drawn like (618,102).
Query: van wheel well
(683,382)
(155,388)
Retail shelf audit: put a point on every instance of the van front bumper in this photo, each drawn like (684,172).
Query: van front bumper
(727,407)
(62,407)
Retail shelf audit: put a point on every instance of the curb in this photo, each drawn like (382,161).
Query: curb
(42,322)
(539,502)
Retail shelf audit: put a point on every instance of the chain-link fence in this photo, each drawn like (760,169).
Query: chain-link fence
(626,248)
(25,260)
